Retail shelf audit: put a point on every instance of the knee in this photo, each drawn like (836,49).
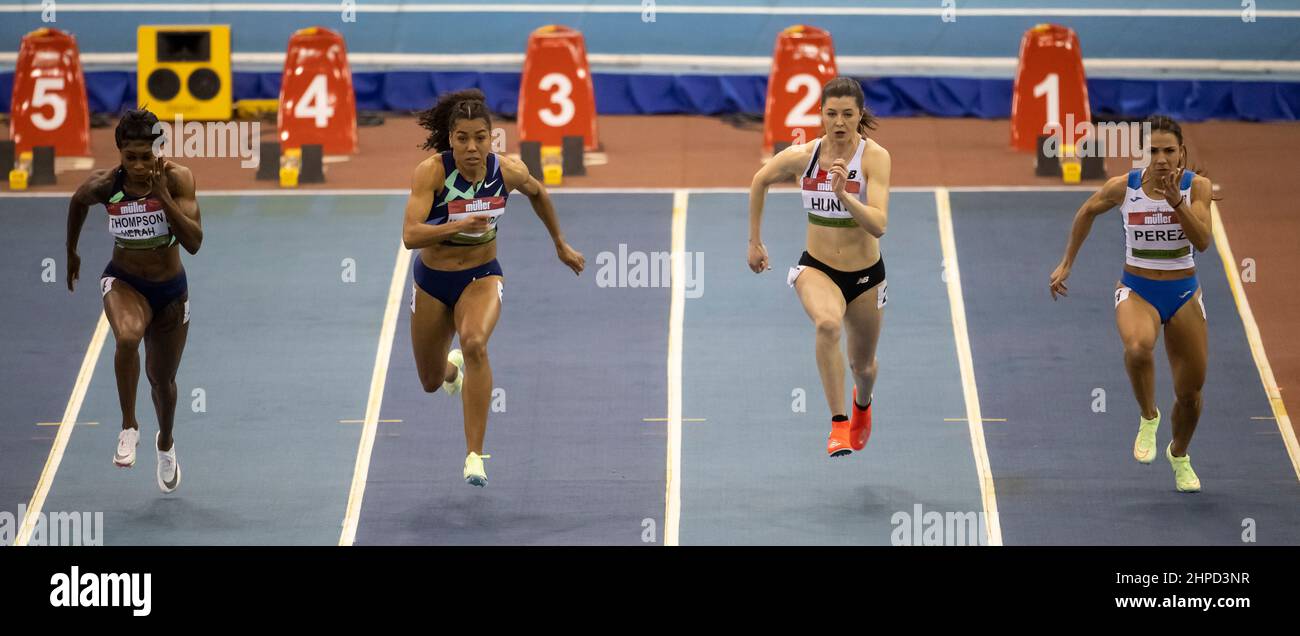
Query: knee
(1188,397)
(474,347)
(128,341)
(828,328)
(864,370)
(160,381)
(1138,349)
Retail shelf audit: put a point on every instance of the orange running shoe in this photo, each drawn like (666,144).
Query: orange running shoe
(859,424)
(838,445)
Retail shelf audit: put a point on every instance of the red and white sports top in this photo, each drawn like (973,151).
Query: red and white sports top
(824,208)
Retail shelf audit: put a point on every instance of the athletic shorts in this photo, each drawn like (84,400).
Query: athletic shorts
(448,286)
(851,284)
(1167,296)
(159,294)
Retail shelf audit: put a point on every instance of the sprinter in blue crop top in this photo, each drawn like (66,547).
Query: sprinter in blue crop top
(458,197)
(1165,211)
(152,213)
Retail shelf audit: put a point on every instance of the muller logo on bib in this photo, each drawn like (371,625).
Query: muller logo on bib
(1152,218)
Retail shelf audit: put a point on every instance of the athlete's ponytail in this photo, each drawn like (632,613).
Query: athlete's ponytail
(451,108)
(849,87)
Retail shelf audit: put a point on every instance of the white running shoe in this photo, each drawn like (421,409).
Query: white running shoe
(127,440)
(169,470)
(475,475)
(457,358)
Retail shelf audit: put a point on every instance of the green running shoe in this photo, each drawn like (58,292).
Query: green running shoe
(1184,477)
(475,475)
(457,358)
(1144,447)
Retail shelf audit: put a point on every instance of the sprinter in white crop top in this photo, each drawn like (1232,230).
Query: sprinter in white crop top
(843,181)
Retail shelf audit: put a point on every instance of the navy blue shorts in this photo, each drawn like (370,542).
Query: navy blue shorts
(448,286)
(1167,296)
(159,294)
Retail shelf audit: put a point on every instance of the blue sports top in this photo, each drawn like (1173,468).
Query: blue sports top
(460,198)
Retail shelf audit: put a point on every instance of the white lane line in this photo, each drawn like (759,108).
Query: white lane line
(361,470)
(1256,342)
(676,314)
(64,434)
(974,419)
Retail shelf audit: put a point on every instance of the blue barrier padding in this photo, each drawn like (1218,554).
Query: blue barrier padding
(649,94)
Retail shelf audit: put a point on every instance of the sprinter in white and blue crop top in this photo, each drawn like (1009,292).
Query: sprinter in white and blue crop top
(1165,215)
(843,180)
(458,199)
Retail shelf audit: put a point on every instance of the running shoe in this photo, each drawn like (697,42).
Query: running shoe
(169,470)
(1184,477)
(127,440)
(457,358)
(1144,447)
(859,424)
(474,473)
(838,444)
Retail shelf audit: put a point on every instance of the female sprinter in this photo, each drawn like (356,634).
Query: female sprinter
(151,209)
(1166,213)
(457,198)
(840,279)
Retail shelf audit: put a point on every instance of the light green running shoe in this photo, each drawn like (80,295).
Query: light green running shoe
(475,475)
(1184,477)
(1144,447)
(457,358)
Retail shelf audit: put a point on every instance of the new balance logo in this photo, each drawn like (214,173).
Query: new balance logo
(863,280)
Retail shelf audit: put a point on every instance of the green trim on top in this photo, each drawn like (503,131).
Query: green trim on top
(1162,254)
(821,220)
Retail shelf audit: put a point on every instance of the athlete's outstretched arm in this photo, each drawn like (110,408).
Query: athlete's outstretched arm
(1101,201)
(516,177)
(781,167)
(416,233)
(176,190)
(78,208)
(874,215)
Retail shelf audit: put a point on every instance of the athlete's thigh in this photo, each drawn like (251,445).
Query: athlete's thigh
(862,321)
(127,310)
(165,339)
(1186,344)
(821,297)
(479,308)
(431,332)
(1137,320)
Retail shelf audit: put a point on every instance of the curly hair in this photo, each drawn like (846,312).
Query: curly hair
(451,108)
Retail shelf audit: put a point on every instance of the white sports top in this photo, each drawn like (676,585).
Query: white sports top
(1153,235)
(824,208)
